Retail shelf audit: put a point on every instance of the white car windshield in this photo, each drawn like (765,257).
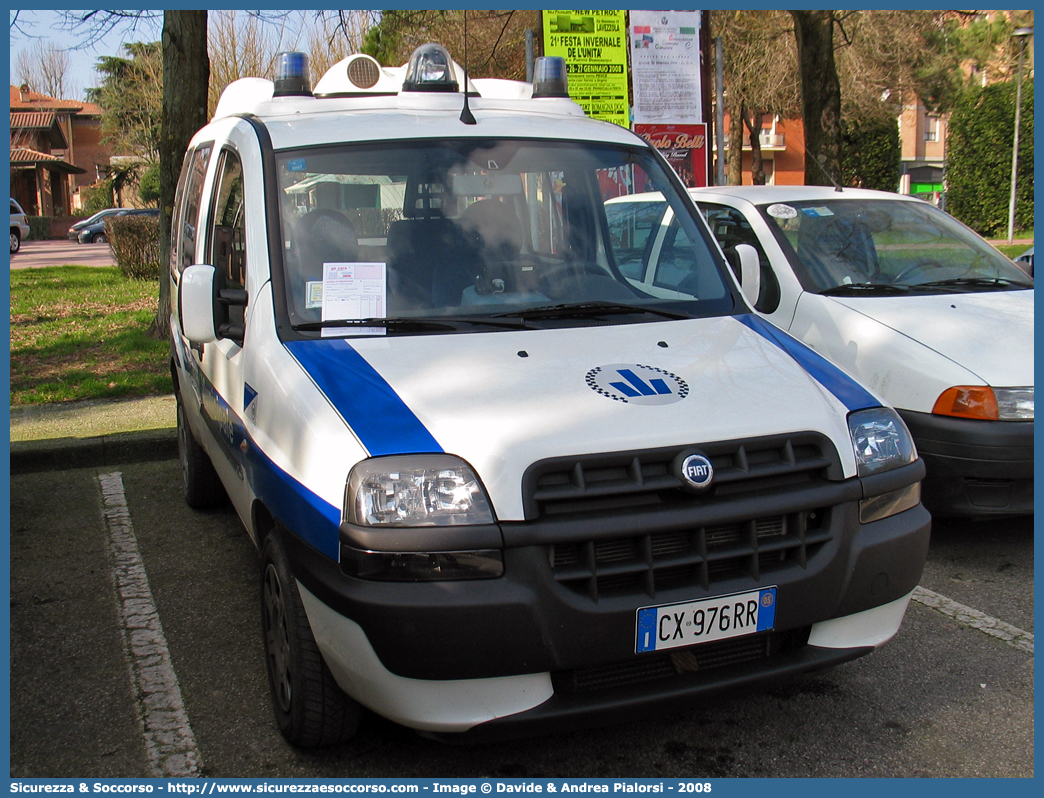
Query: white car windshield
(488,229)
(850,245)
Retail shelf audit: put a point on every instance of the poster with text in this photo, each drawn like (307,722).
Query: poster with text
(684,147)
(665,67)
(594,45)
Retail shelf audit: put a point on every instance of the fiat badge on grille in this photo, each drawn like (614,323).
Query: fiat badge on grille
(697,471)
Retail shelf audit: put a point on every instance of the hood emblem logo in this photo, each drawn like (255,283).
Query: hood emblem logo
(697,471)
(637,385)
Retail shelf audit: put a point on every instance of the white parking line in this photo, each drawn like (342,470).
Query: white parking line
(1012,635)
(169,741)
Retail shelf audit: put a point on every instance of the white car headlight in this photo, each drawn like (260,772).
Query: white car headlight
(415,490)
(1014,404)
(880,440)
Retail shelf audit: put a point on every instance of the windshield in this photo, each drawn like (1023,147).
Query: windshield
(472,230)
(849,245)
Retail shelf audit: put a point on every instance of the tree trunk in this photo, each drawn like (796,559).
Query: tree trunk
(757,164)
(735,149)
(820,95)
(186,75)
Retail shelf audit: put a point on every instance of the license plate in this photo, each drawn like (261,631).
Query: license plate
(718,618)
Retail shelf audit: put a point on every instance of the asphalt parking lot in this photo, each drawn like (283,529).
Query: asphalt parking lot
(35,254)
(945,698)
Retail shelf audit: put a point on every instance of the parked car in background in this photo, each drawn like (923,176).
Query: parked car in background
(19,226)
(74,231)
(1025,261)
(917,307)
(95,233)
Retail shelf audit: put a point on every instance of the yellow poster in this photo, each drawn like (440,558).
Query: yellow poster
(594,45)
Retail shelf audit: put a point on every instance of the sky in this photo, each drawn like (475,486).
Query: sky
(34,24)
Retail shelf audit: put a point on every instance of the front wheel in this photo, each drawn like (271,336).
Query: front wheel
(99,238)
(310,708)
(16,241)
(200,483)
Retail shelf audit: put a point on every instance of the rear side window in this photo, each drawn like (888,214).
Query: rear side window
(190,191)
(226,249)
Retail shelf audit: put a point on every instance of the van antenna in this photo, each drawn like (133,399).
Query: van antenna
(466,116)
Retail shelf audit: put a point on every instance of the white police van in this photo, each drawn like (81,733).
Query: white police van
(499,486)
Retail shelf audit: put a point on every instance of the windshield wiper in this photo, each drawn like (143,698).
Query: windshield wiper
(974,282)
(585,310)
(851,289)
(407,324)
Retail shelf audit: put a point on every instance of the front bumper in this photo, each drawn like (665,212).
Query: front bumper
(974,467)
(555,610)
(485,710)
(527,651)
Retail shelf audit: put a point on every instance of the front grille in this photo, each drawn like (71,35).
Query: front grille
(626,524)
(643,479)
(647,563)
(705,657)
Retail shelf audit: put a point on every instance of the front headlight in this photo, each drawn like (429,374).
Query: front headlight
(880,440)
(415,490)
(1014,404)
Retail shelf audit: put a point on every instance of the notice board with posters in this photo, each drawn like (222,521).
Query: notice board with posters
(594,45)
(665,66)
(666,74)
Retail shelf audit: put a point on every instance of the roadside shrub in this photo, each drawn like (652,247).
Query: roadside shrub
(96,198)
(149,184)
(39,228)
(978,159)
(134,241)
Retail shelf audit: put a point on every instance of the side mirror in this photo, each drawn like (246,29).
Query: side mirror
(196,304)
(750,272)
(203,303)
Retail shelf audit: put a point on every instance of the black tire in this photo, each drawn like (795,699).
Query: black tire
(99,238)
(200,483)
(16,240)
(310,709)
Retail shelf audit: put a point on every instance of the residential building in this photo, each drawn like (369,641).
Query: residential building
(782,151)
(922,139)
(56,148)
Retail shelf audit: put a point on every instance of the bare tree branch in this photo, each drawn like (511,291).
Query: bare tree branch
(93,26)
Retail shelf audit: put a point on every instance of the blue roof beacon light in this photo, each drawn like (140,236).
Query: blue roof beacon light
(430,68)
(291,77)
(549,77)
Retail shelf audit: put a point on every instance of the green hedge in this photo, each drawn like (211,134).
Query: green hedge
(978,159)
(39,228)
(870,153)
(135,245)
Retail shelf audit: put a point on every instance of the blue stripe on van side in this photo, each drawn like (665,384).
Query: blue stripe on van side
(314,520)
(376,414)
(849,392)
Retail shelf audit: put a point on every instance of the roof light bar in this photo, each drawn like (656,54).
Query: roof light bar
(291,79)
(549,77)
(364,71)
(430,68)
